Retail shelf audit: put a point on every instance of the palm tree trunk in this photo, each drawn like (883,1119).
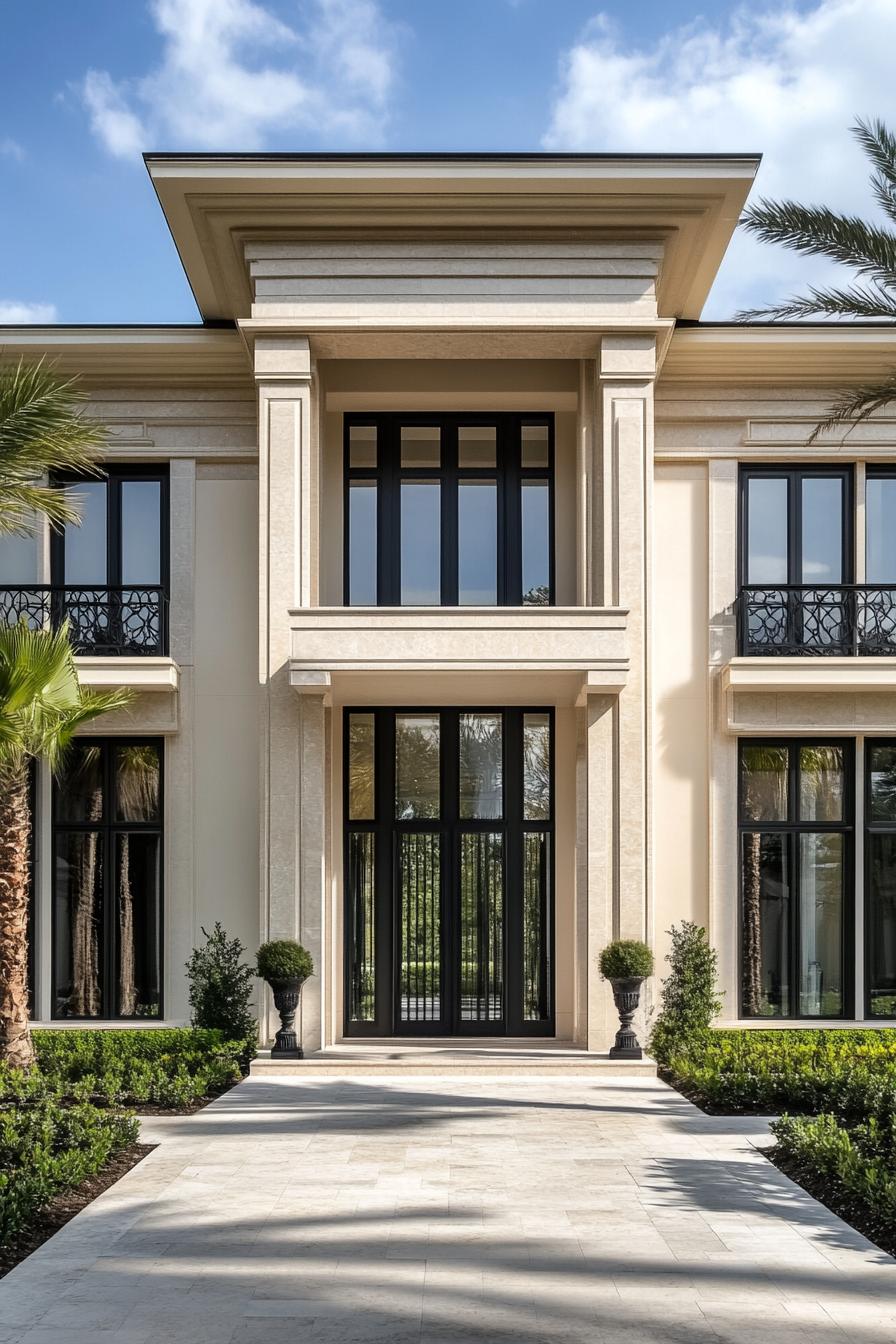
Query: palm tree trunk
(15,846)
(127,985)
(752,930)
(86,997)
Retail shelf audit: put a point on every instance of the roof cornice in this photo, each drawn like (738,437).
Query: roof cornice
(215,204)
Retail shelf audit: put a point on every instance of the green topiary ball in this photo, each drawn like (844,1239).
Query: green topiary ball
(283,959)
(626,958)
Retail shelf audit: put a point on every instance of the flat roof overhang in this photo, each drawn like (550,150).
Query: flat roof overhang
(216,203)
(120,354)
(780,353)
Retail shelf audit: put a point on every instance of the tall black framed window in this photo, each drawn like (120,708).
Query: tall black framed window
(796,820)
(880,878)
(449,838)
(449,510)
(107,879)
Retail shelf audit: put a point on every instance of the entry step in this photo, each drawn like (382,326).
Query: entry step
(477,1059)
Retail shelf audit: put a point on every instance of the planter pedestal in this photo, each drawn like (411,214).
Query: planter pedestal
(626,996)
(286,1001)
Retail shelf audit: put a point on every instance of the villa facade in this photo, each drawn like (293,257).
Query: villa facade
(481,604)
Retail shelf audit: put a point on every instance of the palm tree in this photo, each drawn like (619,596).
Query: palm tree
(42,706)
(868,249)
(42,430)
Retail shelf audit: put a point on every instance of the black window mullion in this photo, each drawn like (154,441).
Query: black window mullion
(449,508)
(510,439)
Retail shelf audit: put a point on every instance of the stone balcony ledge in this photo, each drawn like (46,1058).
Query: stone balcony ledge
(589,641)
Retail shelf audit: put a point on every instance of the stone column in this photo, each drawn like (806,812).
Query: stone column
(292,732)
(614,732)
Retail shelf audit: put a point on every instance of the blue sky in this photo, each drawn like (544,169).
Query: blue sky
(86,86)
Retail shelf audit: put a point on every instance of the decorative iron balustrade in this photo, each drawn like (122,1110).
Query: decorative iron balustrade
(803,620)
(112,621)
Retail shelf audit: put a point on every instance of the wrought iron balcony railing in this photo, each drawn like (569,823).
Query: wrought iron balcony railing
(102,621)
(834,620)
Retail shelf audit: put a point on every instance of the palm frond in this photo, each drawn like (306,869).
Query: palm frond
(861,301)
(880,145)
(852,405)
(42,705)
(43,429)
(816,231)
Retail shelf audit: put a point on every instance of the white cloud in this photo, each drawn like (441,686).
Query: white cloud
(232,74)
(13,311)
(11,149)
(787,82)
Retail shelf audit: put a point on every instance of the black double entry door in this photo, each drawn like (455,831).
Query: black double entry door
(449,825)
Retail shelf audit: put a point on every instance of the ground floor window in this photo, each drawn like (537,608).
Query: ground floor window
(880,878)
(796,816)
(448,871)
(107,880)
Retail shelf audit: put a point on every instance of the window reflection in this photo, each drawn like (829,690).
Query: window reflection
(362,559)
(481,766)
(421,551)
(767,530)
(477,543)
(536,544)
(141,511)
(417,774)
(85,543)
(822,530)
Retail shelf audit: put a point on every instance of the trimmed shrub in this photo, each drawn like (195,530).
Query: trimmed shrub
(170,1067)
(848,1072)
(851,1168)
(221,987)
(690,999)
(624,958)
(283,959)
(46,1147)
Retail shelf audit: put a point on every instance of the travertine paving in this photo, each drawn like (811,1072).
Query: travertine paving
(452,1210)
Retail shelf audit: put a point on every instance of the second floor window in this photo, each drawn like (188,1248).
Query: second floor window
(796,527)
(800,553)
(449,510)
(121,540)
(110,573)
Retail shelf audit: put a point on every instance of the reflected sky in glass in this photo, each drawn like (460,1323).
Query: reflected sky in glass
(477,534)
(767,530)
(141,503)
(536,543)
(362,544)
(822,529)
(880,530)
(421,555)
(85,545)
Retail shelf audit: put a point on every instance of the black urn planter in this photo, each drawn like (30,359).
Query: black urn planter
(626,996)
(286,1000)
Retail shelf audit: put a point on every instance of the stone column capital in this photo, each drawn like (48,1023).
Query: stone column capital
(627,357)
(281,358)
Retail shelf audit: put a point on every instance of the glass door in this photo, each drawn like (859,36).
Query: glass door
(448,868)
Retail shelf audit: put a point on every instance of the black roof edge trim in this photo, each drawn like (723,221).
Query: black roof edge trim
(514,156)
(703,324)
(214,324)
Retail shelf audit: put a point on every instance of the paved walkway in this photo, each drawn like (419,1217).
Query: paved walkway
(452,1210)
